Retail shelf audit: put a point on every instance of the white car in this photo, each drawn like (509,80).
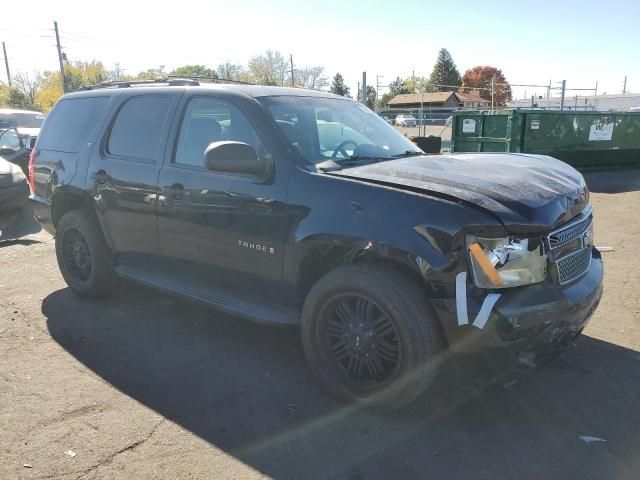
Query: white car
(406,121)
(27,123)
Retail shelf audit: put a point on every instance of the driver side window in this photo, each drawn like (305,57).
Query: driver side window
(209,120)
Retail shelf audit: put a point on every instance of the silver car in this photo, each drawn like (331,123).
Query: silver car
(403,120)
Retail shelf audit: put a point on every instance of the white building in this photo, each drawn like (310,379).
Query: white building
(603,103)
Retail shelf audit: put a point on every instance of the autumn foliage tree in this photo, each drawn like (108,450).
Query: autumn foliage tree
(480,78)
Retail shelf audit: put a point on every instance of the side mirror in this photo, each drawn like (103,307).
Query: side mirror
(233,157)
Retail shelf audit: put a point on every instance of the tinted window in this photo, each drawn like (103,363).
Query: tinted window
(138,127)
(209,120)
(70,123)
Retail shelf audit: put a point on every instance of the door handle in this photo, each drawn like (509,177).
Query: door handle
(177,191)
(101,176)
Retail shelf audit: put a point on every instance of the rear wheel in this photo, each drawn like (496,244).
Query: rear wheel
(83,256)
(370,336)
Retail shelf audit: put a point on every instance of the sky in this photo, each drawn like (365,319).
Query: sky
(582,42)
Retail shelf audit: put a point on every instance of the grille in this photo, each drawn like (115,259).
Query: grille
(573,265)
(568,234)
(570,247)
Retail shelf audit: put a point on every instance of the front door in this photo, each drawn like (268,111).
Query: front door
(220,231)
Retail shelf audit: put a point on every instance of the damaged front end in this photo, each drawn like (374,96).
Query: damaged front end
(524,297)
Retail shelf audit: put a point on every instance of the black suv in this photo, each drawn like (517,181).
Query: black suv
(291,206)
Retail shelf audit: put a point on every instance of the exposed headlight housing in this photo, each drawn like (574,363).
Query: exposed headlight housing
(17,175)
(506,262)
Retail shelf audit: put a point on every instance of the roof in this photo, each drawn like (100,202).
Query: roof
(172,84)
(434,97)
(470,97)
(13,110)
(429,97)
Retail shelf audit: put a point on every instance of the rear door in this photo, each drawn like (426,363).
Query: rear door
(123,174)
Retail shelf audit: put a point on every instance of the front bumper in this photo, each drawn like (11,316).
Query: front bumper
(18,222)
(528,323)
(16,215)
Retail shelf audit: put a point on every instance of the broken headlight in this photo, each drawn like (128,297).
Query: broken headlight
(506,262)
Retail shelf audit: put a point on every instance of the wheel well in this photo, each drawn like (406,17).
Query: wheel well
(325,259)
(64,202)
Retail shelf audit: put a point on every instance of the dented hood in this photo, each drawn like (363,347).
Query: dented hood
(527,191)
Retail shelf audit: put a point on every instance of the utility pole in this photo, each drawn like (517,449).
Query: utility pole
(6,63)
(62,77)
(293,82)
(624,88)
(378,77)
(364,87)
(493,89)
(564,87)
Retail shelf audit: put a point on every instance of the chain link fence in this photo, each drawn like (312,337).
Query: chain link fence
(411,117)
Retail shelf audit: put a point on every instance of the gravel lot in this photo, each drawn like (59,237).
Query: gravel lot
(146,386)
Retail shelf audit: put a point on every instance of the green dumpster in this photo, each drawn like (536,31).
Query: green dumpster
(586,140)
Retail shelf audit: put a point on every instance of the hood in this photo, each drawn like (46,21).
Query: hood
(527,191)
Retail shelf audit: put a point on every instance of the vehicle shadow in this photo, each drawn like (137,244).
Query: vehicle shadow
(19,241)
(615,181)
(246,389)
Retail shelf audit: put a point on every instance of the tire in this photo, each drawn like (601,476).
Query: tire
(344,311)
(83,256)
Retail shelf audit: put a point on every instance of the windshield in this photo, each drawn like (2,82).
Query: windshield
(21,120)
(321,129)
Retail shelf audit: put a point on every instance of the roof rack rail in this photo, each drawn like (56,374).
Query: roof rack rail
(209,79)
(170,80)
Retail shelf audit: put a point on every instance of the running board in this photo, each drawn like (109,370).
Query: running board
(224,302)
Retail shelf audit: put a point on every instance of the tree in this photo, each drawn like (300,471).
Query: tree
(370,101)
(28,85)
(231,71)
(416,84)
(76,74)
(444,72)
(311,77)
(397,87)
(194,71)
(81,73)
(151,74)
(269,68)
(16,99)
(480,78)
(338,86)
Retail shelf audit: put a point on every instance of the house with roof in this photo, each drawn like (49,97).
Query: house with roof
(452,100)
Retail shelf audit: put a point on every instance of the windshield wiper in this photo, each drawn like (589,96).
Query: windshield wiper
(357,159)
(407,153)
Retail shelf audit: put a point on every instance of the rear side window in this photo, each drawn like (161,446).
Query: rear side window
(70,122)
(138,128)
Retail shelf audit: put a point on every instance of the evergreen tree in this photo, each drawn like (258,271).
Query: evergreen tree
(338,87)
(444,72)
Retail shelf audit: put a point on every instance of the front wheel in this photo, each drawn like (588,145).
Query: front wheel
(83,255)
(370,336)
